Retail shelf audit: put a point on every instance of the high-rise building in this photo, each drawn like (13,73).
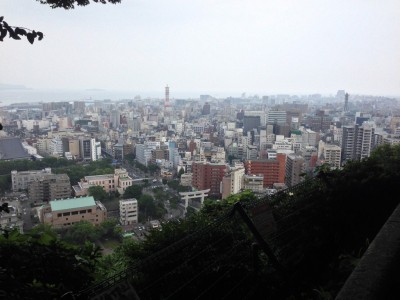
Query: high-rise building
(250,122)
(346,102)
(208,175)
(295,167)
(348,143)
(85,145)
(115,118)
(206,109)
(166,100)
(357,141)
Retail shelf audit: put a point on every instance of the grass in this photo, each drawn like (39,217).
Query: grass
(110,243)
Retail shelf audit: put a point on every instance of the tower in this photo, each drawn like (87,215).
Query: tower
(166,103)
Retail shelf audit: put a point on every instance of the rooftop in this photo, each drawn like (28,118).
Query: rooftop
(70,203)
(11,148)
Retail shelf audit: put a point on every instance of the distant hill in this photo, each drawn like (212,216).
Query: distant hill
(4,86)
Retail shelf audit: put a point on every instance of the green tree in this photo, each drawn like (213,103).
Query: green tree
(81,232)
(133,191)
(152,168)
(38,265)
(147,207)
(110,229)
(98,193)
(181,172)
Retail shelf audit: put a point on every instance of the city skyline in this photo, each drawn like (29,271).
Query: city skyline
(203,47)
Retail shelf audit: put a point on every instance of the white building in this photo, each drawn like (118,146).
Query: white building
(128,211)
(232,183)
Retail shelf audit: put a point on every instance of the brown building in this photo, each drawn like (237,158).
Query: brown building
(208,175)
(192,146)
(273,170)
(66,212)
(159,154)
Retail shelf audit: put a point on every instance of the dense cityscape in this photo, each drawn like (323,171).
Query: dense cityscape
(168,150)
(212,147)
(131,166)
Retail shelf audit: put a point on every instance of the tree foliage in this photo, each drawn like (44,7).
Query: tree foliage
(133,191)
(70,4)
(16,33)
(38,265)
(98,193)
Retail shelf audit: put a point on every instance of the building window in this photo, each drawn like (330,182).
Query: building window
(82,211)
(59,215)
(66,214)
(89,211)
(74,213)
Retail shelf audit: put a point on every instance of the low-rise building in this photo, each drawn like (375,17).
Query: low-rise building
(119,181)
(254,183)
(66,212)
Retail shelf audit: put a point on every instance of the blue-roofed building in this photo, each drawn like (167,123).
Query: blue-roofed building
(66,212)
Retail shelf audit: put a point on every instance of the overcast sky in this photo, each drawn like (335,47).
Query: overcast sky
(205,46)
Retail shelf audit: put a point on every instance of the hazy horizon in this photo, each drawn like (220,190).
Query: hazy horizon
(10,96)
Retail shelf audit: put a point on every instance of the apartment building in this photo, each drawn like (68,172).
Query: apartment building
(49,187)
(128,211)
(66,212)
(330,154)
(208,175)
(21,179)
(295,167)
(273,170)
(232,182)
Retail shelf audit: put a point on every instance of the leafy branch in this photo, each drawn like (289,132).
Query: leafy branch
(69,4)
(17,32)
